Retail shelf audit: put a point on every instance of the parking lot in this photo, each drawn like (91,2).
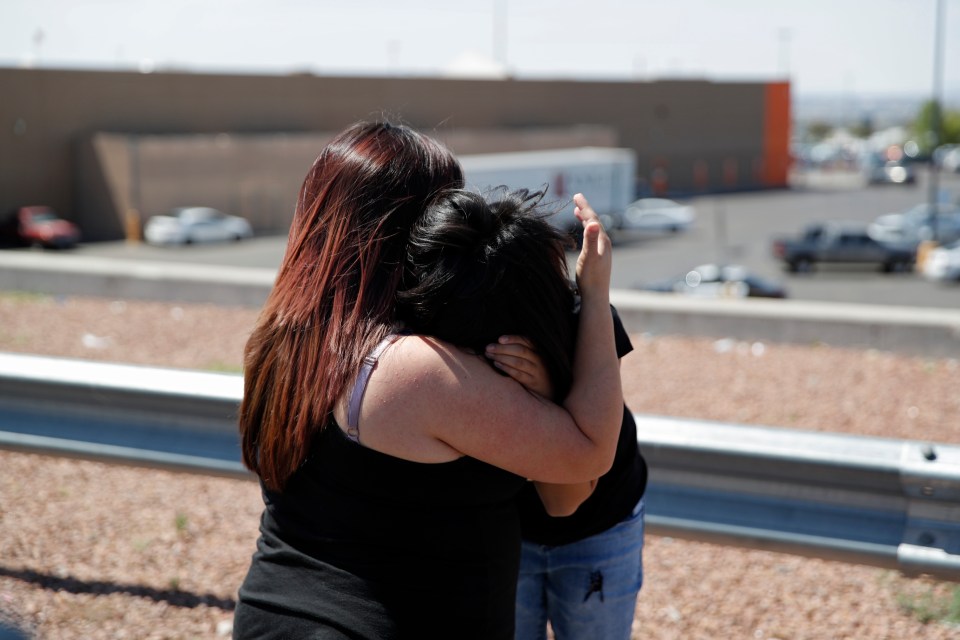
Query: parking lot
(730,228)
(738,228)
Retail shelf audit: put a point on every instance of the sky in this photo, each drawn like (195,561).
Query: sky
(855,47)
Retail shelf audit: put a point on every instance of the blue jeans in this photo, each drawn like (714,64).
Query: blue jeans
(586,589)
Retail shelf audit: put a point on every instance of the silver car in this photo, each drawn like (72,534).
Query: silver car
(657,214)
(917,225)
(187,225)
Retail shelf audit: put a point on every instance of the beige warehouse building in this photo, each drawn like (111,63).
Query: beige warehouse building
(109,149)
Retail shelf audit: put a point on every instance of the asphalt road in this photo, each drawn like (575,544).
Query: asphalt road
(738,229)
(730,228)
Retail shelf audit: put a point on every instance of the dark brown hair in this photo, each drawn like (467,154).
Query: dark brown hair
(335,293)
(481,267)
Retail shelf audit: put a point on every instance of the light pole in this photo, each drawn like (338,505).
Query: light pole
(38,37)
(784,34)
(500,32)
(935,119)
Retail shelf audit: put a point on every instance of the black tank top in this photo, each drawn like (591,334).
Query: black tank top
(616,493)
(362,544)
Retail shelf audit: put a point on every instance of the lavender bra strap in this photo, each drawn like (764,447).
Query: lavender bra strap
(360,387)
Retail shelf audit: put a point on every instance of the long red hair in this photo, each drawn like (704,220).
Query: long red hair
(335,293)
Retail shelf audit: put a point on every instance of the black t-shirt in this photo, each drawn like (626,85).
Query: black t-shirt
(364,545)
(615,495)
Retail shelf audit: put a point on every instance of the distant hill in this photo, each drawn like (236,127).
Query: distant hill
(849,109)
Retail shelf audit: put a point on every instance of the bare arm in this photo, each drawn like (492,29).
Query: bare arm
(595,400)
(517,356)
(564,499)
(430,401)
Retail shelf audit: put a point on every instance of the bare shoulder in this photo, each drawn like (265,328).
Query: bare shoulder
(426,369)
(418,384)
(431,387)
(430,401)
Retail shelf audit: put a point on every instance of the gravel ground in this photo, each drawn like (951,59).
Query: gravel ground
(95,551)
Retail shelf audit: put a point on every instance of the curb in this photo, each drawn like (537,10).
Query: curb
(909,330)
(914,331)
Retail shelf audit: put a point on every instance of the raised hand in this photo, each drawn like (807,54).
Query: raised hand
(595,262)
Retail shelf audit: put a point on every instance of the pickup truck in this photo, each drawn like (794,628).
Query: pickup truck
(848,244)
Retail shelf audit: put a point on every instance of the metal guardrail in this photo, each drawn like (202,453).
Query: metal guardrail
(874,501)
(882,502)
(145,416)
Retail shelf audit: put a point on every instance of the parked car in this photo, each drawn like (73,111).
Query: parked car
(916,224)
(38,226)
(943,263)
(187,225)
(947,157)
(719,281)
(847,243)
(880,170)
(657,214)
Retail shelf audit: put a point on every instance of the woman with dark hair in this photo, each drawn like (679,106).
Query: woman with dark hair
(390,458)
(491,278)
(477,270)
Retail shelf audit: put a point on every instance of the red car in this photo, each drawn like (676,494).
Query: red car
(38,226)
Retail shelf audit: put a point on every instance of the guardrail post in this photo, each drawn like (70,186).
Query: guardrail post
(930,478)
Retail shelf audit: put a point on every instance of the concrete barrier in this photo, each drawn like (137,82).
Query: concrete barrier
(915,331)
(134,279)
(909,330)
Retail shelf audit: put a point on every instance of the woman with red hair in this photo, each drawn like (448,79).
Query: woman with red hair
(391,457)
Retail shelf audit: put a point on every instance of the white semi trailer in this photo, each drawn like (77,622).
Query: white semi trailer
(604,175)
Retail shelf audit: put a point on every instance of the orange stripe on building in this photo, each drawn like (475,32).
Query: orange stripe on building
(776,134)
